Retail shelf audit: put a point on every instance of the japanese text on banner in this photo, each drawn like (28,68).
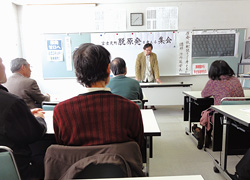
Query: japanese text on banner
(135,40)
(184,52)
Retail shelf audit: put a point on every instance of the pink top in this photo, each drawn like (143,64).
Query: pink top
(226,87)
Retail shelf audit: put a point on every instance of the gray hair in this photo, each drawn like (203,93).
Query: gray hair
(16,64)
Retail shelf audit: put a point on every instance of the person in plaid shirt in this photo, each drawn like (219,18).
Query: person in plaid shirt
(97,116)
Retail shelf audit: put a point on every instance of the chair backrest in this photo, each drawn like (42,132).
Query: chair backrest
(8,167)
(48,106)
(246,84)
(235,100)
(138,102)
(98,166)
(68,162)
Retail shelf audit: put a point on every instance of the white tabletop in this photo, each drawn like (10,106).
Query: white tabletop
(247,93)
(193,94)
(55,99)
(149,122)
(239,113)
(151,127)
(197,94)
(189,177)
(165,84)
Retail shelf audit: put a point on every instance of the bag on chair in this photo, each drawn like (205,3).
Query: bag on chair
(206,118)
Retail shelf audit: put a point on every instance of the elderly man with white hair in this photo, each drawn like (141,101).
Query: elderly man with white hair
(23,86)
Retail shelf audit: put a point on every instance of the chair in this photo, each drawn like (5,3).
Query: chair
(8,167)
(139,103)
(246,84)
(235,100)
(86,162)
(48,106)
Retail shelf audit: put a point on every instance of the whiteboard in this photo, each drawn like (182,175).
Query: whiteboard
(167,56)
(166,59)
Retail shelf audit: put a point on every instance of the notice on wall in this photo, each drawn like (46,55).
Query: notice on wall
(162,18)
(200,68)
(135,40)
(110,20)
(68,53)
(54,50)
(184,49)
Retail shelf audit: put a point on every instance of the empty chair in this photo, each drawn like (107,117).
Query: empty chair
(235,100)
(101,161)
(8,167)
(246,84)
(139,103)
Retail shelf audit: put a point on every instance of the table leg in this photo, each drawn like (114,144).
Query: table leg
(147,154)
(224,152)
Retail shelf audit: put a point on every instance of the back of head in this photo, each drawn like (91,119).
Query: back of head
(218,68)
(91,62)
(16,64)
(148,45)
(118,66)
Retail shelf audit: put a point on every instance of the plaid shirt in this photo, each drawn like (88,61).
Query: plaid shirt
(96,118)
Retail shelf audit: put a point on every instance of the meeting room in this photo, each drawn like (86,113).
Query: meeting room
(122,89)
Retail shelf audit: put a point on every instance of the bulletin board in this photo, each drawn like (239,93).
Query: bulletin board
(58,69)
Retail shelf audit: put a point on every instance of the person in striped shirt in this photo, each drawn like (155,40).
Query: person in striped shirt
(97,116)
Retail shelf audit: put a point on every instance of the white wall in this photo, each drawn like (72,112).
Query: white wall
(35,20)
(9,34)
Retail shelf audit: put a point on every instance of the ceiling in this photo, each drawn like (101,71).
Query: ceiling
(64,2)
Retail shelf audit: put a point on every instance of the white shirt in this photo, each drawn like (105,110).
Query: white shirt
(87,90)
(148,76)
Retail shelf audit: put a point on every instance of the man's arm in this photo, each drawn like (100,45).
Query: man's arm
(140,92)
(22,127)
(36,94)
(137,127)
(138,68)
(156,70)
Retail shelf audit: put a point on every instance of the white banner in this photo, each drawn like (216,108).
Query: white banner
(184,48)
(135,40)
(68,53)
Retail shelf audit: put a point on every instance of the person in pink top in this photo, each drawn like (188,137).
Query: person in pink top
(222,83)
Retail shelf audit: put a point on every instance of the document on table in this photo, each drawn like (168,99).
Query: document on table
(246,110)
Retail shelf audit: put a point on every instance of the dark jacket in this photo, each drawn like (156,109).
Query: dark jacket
(18,127)
(64,162)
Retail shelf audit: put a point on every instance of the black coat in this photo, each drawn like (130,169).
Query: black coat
(18,127)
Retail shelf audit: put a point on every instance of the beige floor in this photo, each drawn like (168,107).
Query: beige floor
(175,153)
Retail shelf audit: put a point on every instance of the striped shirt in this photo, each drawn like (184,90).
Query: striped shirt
(97,118)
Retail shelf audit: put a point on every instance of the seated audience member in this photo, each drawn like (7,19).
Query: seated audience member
(20,127)
(96,117)
(222,83)
(23,86)
(122,85)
